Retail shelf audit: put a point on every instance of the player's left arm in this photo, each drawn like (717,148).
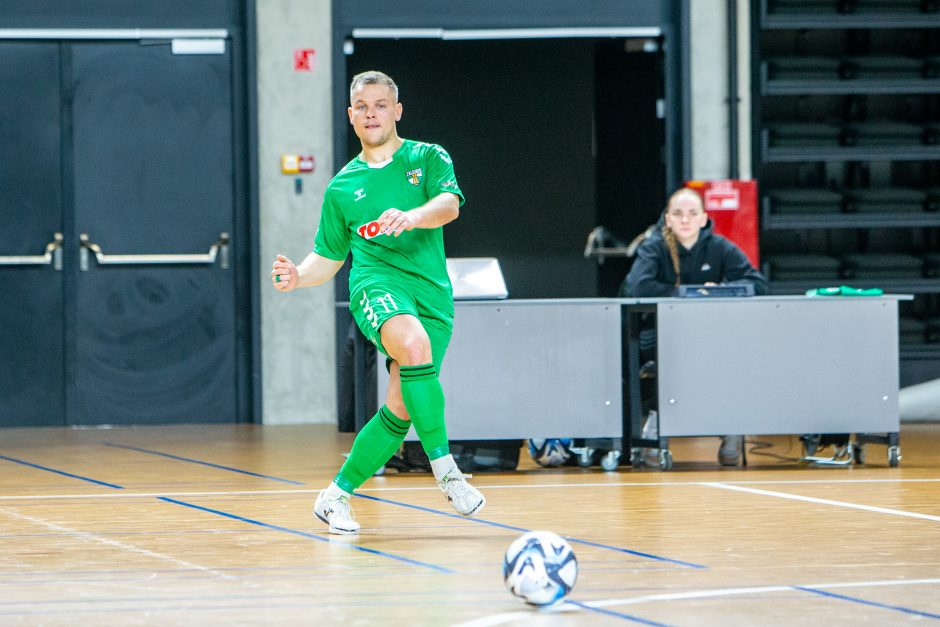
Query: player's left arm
(440,210)
(445,197)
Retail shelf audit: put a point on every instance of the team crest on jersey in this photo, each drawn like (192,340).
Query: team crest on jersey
(414,176)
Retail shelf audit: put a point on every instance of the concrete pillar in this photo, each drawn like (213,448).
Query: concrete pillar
(709,78)
(298,356)
(744,90)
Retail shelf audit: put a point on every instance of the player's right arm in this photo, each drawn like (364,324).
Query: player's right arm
(313,270)
(332,239)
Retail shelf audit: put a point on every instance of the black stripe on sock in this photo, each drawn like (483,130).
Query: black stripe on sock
(416,373)
(390,425)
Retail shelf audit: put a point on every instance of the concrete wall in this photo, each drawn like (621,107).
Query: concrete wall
(709,58)
(294,116)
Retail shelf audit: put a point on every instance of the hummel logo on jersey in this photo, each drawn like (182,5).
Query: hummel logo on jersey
(414,176)
(443,154)
(360,193)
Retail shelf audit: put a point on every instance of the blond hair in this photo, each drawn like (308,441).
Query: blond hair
(372,77)
(668,236)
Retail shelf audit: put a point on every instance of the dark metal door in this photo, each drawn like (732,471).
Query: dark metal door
(32,361)
(116,201)
(154,335)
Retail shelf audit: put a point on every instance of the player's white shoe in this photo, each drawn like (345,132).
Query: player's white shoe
(466,499)
(333,508)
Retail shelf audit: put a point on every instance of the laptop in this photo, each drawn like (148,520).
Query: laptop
(715,291)
(476,278)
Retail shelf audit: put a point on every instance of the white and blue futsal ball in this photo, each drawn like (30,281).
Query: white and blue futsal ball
(540,568)
(551,452)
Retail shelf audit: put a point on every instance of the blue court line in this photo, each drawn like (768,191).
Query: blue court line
(630,617)
(304,534)
(62,472)
(197,461)
(885,606)
(504,526)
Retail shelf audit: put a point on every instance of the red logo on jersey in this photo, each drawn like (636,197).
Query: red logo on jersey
(370,229)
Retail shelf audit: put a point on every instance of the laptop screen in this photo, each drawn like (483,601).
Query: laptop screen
(476,278)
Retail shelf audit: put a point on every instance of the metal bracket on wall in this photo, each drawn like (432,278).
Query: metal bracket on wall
(218,249)
(601,243)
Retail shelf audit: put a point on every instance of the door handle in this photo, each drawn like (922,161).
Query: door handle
(52,256)
(218,249)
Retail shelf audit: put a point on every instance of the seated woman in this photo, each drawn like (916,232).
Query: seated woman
(684,250)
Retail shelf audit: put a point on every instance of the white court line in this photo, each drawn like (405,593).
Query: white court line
(811,499)
(523,616)
(114,543)
(507,617)
(720,592)
(534,486)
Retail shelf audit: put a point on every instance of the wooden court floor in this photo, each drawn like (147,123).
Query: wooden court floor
(212,525)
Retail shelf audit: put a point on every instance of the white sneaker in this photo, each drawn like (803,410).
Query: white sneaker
(466,499)
(334,509)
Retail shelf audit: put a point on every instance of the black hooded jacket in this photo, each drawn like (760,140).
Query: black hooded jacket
(712,259)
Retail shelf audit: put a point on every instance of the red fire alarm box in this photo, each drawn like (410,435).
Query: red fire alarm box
(297,164)
(732,207)
(305,60)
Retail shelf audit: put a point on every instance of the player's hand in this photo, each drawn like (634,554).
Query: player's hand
(284,274)
(394,222)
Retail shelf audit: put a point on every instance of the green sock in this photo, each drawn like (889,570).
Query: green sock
(376,443)
(424,398)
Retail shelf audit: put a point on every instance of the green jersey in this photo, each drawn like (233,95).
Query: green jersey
(359,194)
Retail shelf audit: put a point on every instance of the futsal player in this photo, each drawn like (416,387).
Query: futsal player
(388,206)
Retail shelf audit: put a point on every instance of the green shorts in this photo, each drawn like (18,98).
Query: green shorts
(375,302)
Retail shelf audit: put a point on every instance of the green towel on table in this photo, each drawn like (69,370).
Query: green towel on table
(844,290)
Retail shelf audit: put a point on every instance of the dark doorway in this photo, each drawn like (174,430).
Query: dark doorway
(631,132)
(550,137)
